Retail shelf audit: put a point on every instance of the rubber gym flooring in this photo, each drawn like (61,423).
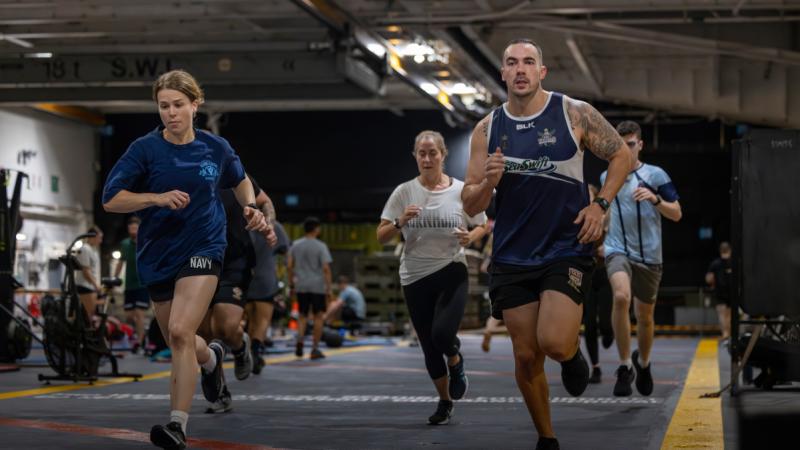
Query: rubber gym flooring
(379,397)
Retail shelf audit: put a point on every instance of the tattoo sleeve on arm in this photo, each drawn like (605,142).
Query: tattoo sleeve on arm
(596,133)
(485,127)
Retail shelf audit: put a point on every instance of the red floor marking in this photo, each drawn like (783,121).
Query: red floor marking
(119,433)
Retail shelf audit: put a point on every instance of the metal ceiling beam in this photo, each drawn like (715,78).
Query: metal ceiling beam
(73,95)
(168,48)
(583,65)
(528,7)
(666,40)
(220,71)
(343,22)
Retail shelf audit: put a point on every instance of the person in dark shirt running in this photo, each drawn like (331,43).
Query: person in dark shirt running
(170,177)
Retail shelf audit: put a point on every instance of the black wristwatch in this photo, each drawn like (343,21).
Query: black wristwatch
(396,223)
(251,205)
(658,200)
(602,202)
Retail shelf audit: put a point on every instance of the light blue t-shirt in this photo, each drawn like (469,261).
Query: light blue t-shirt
(353,298)
(635,228)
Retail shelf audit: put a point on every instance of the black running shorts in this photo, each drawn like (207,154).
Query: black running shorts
(511,286)
(195,266)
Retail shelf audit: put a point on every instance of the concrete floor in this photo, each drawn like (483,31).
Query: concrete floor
(368,397)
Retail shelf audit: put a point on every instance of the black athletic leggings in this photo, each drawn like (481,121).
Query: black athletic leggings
(597,307)
(436,304)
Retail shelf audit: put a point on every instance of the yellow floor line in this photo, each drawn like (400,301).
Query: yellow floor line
(165,373)
(697,422)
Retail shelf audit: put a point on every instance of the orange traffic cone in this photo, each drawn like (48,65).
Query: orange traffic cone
(294,315)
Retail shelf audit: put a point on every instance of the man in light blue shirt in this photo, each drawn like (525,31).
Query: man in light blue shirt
(633,259)
(350,302)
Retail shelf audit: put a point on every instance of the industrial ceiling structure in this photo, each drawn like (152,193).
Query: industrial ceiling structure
(737,60)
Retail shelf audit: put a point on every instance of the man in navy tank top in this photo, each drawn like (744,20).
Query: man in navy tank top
(530,151)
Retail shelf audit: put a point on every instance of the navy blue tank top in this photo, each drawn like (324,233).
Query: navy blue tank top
(542,188)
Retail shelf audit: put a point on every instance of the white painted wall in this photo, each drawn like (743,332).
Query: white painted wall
(63,148)
(59,148)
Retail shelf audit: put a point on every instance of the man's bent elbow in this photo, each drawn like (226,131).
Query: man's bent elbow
(470,208)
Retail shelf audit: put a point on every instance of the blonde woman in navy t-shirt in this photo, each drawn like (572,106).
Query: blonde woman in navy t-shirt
(171,178)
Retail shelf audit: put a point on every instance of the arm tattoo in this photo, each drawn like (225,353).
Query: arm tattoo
(485,127)
(598,135)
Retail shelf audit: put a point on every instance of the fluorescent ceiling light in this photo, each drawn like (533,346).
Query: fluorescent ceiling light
(414,49)
(377,49)
(462,89)
(16,40)
(428,87)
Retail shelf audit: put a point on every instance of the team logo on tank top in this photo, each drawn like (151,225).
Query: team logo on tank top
(547,137)
(529,167)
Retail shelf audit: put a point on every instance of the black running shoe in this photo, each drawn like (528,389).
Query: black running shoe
(169,436)
(317,354)
(298,349)
(258,361)
(243,362)
(443,412)
(644,379)
(575,374)
(458,380)
(625,377)
(213,382)
(223,404)
(545,443)
(597,376)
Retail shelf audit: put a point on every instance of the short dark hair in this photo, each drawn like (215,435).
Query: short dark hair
(627,127)
(724,247)
(133,219)
(311,224)
(342,279)
(525,41)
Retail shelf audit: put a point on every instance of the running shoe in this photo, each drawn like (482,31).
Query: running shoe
(443,412)
(575,374)
(458,380)
(644,379)
(243,362)
(625,377)
(169,436)
(213,381)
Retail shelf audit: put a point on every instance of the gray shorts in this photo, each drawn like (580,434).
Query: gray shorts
(645,278)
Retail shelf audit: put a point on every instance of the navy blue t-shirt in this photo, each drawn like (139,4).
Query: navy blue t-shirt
(168,238)
(542,189)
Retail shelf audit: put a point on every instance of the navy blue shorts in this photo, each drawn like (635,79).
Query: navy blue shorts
(197,265)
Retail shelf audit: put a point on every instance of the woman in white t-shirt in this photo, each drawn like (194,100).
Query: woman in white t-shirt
(87,277)
(433,271)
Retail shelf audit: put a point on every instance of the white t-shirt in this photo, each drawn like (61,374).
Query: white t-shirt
(430,242)
(87,257)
